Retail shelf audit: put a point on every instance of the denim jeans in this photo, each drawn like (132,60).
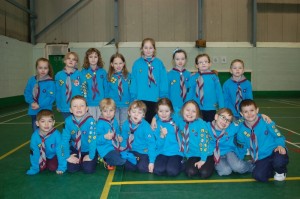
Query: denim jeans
(121,115)
(231,163)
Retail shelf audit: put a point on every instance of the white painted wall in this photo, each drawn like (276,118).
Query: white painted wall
(273,68)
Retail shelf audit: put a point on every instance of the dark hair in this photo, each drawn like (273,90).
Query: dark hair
(86,63)
(247,102)
(111,70)
(166,102)
(50,72)
(78,97)
(44,113)
(202,55)
(198,112)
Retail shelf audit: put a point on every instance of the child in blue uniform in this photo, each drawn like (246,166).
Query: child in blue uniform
(265,142)
(94,83)
(79,138)
(195,142)
(205,88)
(108,135)
(40,89)
(118,86)
(149,78)
(223,132)
(138,141)
(68,84)
(178,79)
(45,145)
(169,158)
(237,88)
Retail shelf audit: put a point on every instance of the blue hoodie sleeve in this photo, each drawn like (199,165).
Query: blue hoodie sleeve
(34,155)
(28,91)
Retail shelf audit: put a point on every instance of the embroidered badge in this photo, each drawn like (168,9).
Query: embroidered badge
(140,70)
(72,132)
(76,82)
(44,91)
(278,134)
(61,82)
(88,75)
(51,93)
(202,130)
(113,80)
(266,132)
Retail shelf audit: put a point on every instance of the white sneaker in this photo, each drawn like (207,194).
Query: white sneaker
(279,177)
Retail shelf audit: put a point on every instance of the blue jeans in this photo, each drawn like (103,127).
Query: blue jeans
(33,122)
(121,115)
(231,163)
(265,168)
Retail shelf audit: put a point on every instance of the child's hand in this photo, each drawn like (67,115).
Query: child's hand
(34,105)
(266,118)
(163,132)
(109,135)
(281,150)
(151,167)
(199,164)
(86,158)
(153,123)
(59,172)
(120,138)
(73,159)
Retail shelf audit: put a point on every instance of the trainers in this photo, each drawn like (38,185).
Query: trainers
(279,177)
(110,168)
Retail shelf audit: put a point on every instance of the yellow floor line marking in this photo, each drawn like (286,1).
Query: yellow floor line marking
(193,181)
(14,150)
(107,185)
(22,145)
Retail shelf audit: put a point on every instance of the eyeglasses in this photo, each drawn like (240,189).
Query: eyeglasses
(224,118)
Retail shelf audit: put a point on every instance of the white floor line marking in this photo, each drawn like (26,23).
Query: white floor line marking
(278,101)
(291,143)
(13,119)
(288,130)
(12,113)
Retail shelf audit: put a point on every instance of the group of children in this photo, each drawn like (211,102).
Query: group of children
(150,120)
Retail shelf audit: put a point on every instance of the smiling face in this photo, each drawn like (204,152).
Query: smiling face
(42,69)
(78,108)
(117,64)
(108,113)
(164,112)
(249,113)
(189,112)
(223,120)
(46,123)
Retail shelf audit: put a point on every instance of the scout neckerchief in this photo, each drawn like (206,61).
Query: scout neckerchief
(171,121)
(238,95)
(95,83)
(217,149)
(200,85)
(36,88)
(68,84)
(182,83)
(253,140)
(150,70)
(78,133)
(185,138)
(131,135)
(42,159)
(120,84)
(114,140)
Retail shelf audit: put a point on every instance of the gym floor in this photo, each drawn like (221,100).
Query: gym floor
(14,161)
